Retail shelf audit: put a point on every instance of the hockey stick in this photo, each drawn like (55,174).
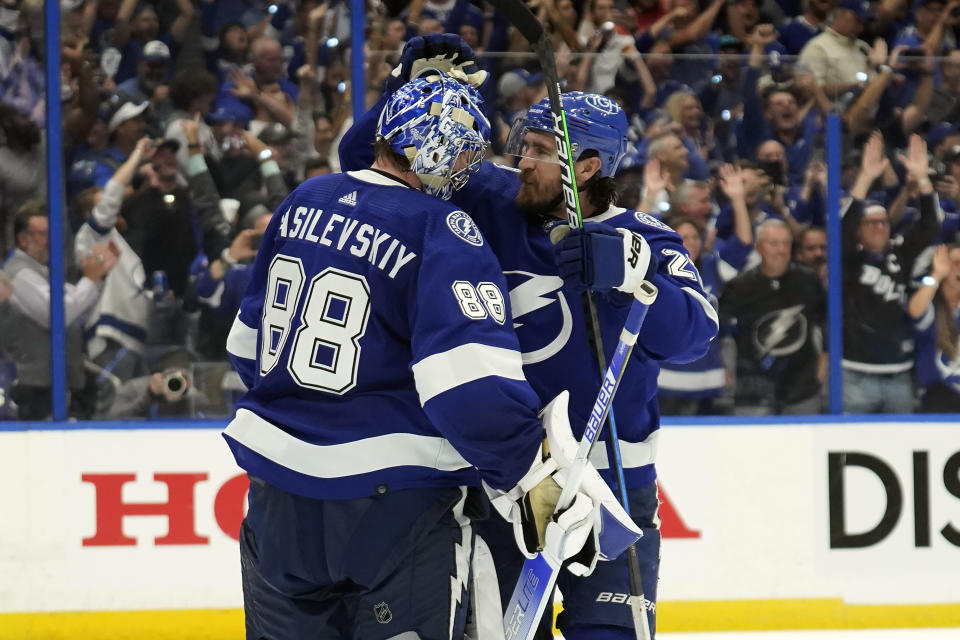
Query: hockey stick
(532,30)
(539,575)
(638,600)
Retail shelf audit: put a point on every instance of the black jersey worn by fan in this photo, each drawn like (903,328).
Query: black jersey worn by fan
(779,327)
(877,336)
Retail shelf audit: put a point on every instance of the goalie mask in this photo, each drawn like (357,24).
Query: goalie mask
(437,124)
(593,122)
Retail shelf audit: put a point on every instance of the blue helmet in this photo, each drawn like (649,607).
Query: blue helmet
(593,122)
(431,122)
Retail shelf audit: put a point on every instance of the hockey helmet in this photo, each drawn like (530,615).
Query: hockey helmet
(433,121)
(593,122)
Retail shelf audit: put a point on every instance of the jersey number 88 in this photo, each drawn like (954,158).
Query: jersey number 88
(326,347)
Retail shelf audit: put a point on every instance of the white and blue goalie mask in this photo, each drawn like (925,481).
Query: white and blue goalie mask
(438,125)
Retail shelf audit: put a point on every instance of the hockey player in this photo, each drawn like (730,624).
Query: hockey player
(385,383)
(516,211)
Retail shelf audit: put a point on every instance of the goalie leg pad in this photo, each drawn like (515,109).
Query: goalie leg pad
(484,621)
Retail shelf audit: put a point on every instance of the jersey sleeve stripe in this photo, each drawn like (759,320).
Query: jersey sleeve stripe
(214,299)
(692,380)
(345,459)
(707,307)
(926,319)
(242,340)
(633,454)
(444,371)
(726,270)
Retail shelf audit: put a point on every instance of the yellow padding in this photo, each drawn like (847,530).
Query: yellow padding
(713,615)
(763,615)
(200,624)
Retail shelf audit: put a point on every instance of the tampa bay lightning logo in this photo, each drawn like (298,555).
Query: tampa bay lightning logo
(646,218)
(603,103)
(463,227)
(781,332)
(541,315)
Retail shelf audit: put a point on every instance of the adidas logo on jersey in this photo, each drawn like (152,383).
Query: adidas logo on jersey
(350,199)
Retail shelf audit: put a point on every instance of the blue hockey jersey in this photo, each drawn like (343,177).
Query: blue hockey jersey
(550,322)
(706,377)
(375,342)
(932,364)
(552,328)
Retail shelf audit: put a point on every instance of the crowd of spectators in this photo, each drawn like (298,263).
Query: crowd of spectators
(186,123)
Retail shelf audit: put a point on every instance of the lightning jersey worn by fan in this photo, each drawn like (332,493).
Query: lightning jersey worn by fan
(705,377)
(374,339)
(933,365)
(779,324)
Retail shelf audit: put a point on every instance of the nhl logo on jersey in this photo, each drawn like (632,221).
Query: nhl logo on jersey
(463,227)
(646,218)
(383,613)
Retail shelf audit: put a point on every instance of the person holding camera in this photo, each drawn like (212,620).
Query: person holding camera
(947,183)
(797,203)
(764,201)
(604,44)
(160,219)
(164,393)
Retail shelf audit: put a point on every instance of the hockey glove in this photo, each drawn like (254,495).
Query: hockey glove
(610,529)
(443,52)
(600,257)
(577,532)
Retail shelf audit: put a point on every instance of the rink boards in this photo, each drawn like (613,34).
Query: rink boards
(766,526)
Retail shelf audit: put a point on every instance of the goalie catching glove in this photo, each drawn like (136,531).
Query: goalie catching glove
(594,526)
(440,52)
(600,257)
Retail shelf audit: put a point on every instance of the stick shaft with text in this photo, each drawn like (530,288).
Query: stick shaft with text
(539,575)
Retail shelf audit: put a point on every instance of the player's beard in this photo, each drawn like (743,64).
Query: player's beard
(535,202)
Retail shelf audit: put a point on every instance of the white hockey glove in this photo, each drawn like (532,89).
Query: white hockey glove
(577,532)
(611,528)
(600,257)
(529,506)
